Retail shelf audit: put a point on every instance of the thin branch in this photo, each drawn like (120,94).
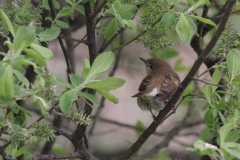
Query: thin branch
(211,67)
(152,128)
(40,118)
(206,82)
(183,97)
(93,15)
(69,67)
(75,40)
(58,156)
(63,133)
(216,4)
(136,38)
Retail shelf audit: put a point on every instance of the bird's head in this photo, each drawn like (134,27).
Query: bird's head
(153,64)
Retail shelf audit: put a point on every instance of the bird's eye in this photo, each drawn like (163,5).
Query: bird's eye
(151,67)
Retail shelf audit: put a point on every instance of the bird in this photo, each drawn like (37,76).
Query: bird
(158,87)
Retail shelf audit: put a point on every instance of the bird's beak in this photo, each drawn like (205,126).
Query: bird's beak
(144,60)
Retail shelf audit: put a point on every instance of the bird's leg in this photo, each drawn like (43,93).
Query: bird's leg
(152,114)
(154,117)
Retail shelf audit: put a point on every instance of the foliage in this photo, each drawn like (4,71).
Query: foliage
(20,25)
(15,86)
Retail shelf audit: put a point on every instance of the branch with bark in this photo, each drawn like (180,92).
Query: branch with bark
(152,128)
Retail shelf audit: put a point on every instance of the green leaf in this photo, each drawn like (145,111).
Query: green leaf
(46,5)
(28,155)
(209,119)
(216,78)
(233,152)
(21,151)
(207,92)
(101,64)
(50,34)
(65,12)
(207,2)
(224,130)
(76,80)
(110,83)
(111,29)
(85,73)
(127,11)
(42,104)
(233,62)
(21,78)
(44,52)
(62,24)
(56,4)
(130,24)
(233,136)
(24,37)
(175,1)
(183,29)
(108,96)
(7,21)
(63,82)
(19,90)
(199,144)
(80,8)
(86,63)
(71,2)
(90,97)
(41,82)
(49,18)
(6,85)
(195,5)
(14,107)
(221,106)
(67,99)
(236,42)
(192,24)
(39,59)
(167,19)
(204,20)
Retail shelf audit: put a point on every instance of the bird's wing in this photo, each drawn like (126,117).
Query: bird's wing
(143,86)
(169,87)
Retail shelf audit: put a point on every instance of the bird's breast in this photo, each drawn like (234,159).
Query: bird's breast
(152,93)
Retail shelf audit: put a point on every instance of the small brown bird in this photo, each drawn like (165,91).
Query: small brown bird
(158,86)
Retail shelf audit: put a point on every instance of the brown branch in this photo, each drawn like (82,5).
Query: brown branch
(152,128)
(206,82)
(63,133)
(97,10)
(80,132)
(58,156)
(74,40)
(211,67)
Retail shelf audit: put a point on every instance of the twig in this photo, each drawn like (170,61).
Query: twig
(183,97)
(94,14)
(58,156)
(152,128)
(61,132)
(136,38)
(216,4)
(69,68)
(211,67)
(206,82)
(75,40)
